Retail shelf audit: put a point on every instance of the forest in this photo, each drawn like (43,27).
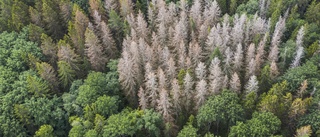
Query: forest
(160,68)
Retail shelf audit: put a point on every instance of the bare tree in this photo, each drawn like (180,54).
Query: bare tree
(201,71)
(212,13)
(201,93)
(300,49)
(94,51)
(152,88)
(195,13)
(142,26)
(260,53)
(252,85)
(127,74)
(164,105)
(188,90)
(235,84)
(215,76)
(228,56)
(274,70)
(162,79)
(143,100)
(171,70)
(277,34)
(176,95)
(195,52)
(110,5)
(238,58)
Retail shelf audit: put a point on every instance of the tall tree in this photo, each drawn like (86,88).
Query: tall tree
(48,73)
(94,51)
(51,18)
(49,48)
(20,17)
(66,73)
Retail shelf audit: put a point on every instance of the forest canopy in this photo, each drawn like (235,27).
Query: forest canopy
(159,68)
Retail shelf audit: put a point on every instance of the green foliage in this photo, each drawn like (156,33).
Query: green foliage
(14,48)
(37,86)
(295,76)
(277,100)
(312,119)
(251,7)
(313,12)
(130,122)
(222,110)
(66,73)
(287,53)
(188,131)
(261,124)
(45,131)
(7,77)
(215,53)
(265,79)
(84,5)
(249,102)
(106,106)
(312,49)
(116,25)
(20,17)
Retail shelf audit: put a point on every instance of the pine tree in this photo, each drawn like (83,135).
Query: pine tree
(176,95)
(48,73)
(107,40)
(260,53)
(35,16)
(237,33)
(66,10)
(143,100)
(111,5)
(49,48)
(66,73)
(201,71)
(171,70)
(142,26)
(274,70)
(228,56)
(250,53)
(195,12)
(188,90)
(251,68)
(94,51)
(303,88)
(152,88)
(215,76)
(300,49)
(201,93)
(19,15)
(37,86)
(125,7)
(277,34)
(127,74)
(203,34)
(212,13)
(238,58)
(164,105)
(235,84)
(67,54)
(51,19)
(252,85)
(162,33)
(162,79)
(77,28)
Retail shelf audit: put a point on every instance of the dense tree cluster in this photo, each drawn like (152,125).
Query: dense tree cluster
(185,68)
